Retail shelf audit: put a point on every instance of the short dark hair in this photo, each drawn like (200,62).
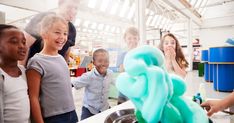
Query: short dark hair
(99,51)
(5,26)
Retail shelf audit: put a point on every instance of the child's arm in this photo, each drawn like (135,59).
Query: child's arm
(34,81)
(81,81)
(218,105)
(180,71)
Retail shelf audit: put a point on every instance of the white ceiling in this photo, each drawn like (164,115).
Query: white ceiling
(106,19)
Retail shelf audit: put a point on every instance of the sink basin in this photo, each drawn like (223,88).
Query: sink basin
(122,116)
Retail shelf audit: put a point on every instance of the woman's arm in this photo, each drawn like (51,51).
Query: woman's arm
(34,82)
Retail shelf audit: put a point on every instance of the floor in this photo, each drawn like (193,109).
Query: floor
(194,84)
(78,97)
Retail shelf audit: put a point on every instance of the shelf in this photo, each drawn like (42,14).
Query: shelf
(195,45)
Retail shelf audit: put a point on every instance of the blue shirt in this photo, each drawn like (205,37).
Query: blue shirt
(96,89)
(120,58)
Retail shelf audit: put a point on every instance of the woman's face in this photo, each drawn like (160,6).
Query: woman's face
(131,40)
(168,43)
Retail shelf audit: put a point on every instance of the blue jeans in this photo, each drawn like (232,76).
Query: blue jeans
(69,117)
(85,113)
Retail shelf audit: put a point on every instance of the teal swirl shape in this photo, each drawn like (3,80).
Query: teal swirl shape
(156,94)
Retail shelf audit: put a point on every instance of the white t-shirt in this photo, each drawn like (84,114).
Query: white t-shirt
(16,100)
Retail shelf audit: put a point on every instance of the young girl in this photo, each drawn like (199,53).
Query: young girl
(48,76)
(97,84)
(15,107)
(174,57)
(131,38)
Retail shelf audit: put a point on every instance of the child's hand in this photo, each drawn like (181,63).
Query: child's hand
(213,106)
(171,53)
(167,54)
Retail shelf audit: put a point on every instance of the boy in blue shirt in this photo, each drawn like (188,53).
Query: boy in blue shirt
(97,84)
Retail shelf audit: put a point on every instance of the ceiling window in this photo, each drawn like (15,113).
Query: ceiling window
(92,3)
(104,5)
(124,8)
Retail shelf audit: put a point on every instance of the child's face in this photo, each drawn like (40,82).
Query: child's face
(13,45)
(56,36)
(169,43)
(131,40)
(101,62)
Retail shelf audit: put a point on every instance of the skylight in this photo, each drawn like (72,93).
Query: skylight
(77,22)
(92,3)
(153,22)
(113,29)
(107,27)
(94,25)
(124,8)
(104,5)
(149,20)
(114,8)
(100,26)
(86,23)
(132,11)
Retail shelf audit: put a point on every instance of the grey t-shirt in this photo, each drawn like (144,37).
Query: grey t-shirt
(55,92)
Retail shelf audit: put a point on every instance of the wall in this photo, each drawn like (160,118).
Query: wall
(215,36)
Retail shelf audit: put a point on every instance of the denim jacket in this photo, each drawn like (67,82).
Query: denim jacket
(1,98)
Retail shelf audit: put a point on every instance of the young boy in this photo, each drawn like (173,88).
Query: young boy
(97,84)
(48,76)
(14,101)
(131,38)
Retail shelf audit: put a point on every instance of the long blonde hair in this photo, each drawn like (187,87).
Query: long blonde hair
(180,59)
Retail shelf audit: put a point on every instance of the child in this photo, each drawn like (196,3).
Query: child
(48,76)
(174,57)
(213,106)
(131,38)
(67,9)
(97,84)
(15,107)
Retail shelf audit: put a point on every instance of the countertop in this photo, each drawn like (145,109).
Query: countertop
(100,118)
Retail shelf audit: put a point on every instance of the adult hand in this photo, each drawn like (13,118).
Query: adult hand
(213,106)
